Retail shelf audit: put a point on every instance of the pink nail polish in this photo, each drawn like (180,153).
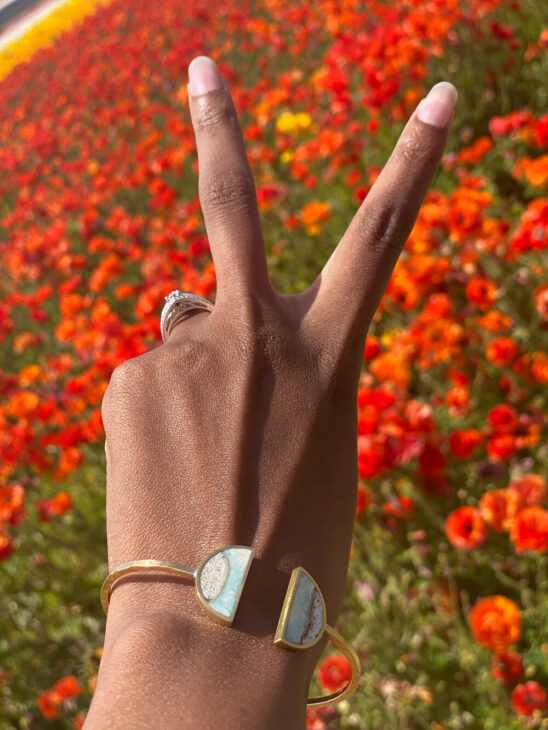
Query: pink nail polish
(203,76)
(436,109)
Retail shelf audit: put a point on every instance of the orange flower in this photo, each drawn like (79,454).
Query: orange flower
(498,507)
(532,488)
(482,292)
(23,404)
(315,212)
(391,368)
(496,622)
(474,154)
(530,529)
(529,697)
(539,367)
(465,528)
(494,321)
(29,375)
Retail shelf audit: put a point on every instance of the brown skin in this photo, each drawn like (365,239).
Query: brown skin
(241,429)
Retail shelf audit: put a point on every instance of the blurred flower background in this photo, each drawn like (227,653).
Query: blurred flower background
(99,219)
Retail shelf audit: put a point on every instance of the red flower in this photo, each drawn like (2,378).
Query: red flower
(335,672)
(6,547)
(400,506)
(502,351)
(314,721)
(58,505)
(47,702)
(528,697)
(371,456)
(507,667)
(364,500)
(61,690)
(372,347)
(66,687)
(530,529)
(432,459)
(503,418)
(465,528)
(464,443)
(500,447)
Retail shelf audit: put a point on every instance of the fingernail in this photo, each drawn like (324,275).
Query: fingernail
(437,107)
(203,76)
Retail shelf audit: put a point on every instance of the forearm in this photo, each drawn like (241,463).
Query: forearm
(163,668)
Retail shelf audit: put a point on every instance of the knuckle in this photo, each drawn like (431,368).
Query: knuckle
(127,381)
(380,229)
(262,335)
(233,190)
(417,147)
(213,112)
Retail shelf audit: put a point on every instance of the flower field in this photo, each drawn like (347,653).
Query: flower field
(447,597)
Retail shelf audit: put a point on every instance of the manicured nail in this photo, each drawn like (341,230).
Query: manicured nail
(437,107)
(203,76)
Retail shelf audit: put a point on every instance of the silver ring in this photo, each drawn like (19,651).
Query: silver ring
(178,301)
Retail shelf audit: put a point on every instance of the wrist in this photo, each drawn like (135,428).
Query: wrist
(165,669)
(166,654)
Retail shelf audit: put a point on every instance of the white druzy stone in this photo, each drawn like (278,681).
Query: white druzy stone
(316,619)
(213,576)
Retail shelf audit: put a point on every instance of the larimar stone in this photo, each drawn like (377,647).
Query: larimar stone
(222,578)
(306,617)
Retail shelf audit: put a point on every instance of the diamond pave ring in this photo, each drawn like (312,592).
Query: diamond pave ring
(178,301)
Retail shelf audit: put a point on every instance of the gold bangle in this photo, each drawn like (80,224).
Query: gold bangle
(220,579)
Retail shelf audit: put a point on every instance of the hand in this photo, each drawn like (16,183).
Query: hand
(241,428)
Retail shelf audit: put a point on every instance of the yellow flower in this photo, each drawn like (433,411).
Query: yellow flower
(294,123)
(389,336)
(303,121)
(287,156)
(313,230)
(286,123)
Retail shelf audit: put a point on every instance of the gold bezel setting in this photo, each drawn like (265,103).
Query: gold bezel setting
(286,610)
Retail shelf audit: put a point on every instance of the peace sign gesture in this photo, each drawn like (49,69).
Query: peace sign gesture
(241,430)
(337,309)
